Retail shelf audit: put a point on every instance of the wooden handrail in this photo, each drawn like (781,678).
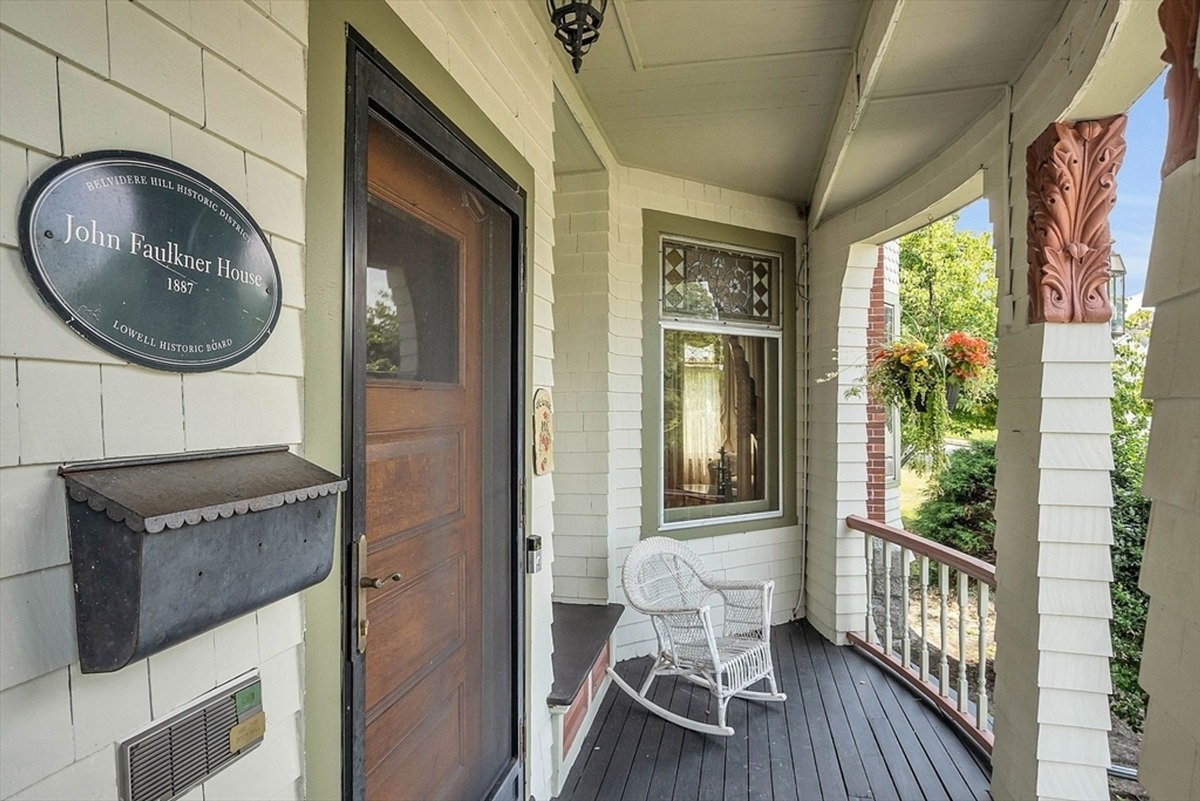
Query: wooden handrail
(975,568)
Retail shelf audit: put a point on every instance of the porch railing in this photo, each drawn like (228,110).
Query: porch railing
(900,631)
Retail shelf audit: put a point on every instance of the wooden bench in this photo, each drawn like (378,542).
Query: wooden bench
(582,654)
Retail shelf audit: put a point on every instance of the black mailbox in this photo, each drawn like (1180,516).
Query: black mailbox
(167,547)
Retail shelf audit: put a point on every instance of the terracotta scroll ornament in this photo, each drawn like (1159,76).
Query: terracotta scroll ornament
(1179,19)
(1071,181)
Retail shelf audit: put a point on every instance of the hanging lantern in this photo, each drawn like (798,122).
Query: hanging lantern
(1116,294)
(577,25)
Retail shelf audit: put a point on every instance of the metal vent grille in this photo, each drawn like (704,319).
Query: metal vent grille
(177,753)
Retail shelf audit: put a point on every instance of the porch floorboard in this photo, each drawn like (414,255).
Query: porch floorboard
(848,731)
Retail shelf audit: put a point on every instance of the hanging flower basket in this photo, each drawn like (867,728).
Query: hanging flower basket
(904,374)
(925,381)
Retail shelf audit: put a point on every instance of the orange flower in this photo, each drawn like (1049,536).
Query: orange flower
(966,356)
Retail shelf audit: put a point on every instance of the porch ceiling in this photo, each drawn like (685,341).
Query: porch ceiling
(746,94)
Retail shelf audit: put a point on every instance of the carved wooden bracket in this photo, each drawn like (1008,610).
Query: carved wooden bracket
(1071,183)
(1179,19)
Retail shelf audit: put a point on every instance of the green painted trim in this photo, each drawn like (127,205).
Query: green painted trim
(324,260)
(654,225)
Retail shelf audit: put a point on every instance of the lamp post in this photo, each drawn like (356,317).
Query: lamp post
(1116,294)
(577,25)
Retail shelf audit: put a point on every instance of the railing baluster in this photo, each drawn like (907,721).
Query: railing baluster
(944,662)
(887,597)
(869,541)
(963,701)
(981,711)
(950,691)
(905,638)
(924,618)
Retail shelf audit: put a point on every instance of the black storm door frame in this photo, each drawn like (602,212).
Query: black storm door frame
(374,86)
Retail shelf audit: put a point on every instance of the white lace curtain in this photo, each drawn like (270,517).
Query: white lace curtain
(703,434)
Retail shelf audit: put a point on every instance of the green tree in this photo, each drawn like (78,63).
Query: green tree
(948,283)
(383,336)
(1130,516)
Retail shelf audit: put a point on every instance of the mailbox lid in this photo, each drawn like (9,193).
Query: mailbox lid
(170,491)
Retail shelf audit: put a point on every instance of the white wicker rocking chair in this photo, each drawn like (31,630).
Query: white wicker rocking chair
(666,580)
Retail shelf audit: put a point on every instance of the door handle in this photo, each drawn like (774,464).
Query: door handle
(365,583)
(368,583)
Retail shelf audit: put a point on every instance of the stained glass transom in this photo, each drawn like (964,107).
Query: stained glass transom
(717,284)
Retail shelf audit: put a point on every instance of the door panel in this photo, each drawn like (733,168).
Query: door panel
(416,479)
(423,615)
(438,722)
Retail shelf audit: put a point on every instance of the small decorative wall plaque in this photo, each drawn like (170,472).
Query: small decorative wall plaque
(150,261)
(543,432)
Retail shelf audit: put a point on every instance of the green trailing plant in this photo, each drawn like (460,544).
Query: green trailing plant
(947,282)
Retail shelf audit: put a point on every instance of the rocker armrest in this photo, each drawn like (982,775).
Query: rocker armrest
(658,611)
(748,584)
(747,605)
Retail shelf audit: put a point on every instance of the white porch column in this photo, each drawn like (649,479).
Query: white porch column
(1053,524)
(1170,673)
(837,466)
(1053,568)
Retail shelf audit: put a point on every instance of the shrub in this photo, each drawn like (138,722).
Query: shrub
(1130,517)
(960,511)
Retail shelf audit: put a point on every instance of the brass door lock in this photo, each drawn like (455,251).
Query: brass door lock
(365,583)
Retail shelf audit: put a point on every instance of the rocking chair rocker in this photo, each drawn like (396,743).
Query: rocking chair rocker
(666,580)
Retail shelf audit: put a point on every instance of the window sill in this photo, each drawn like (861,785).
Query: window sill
(721,526)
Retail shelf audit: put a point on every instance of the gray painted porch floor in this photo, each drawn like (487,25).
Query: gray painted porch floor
(847,731)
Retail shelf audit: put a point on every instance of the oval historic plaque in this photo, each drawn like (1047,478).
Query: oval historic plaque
(150,260)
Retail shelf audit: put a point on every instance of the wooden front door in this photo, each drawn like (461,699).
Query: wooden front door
(439,681)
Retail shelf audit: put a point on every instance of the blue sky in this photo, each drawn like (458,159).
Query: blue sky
(1132,218)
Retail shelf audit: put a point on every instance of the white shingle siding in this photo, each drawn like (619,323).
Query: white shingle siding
(1053,533)
(891,267)
(836,590)
(155,61)
(38,634)
(33,521)
(90,75)
(582,458)
(36,734)
(29,103)
(89,779)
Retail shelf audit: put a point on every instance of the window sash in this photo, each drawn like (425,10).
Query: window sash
(768,507)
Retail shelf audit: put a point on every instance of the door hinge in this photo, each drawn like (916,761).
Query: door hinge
(521,741)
